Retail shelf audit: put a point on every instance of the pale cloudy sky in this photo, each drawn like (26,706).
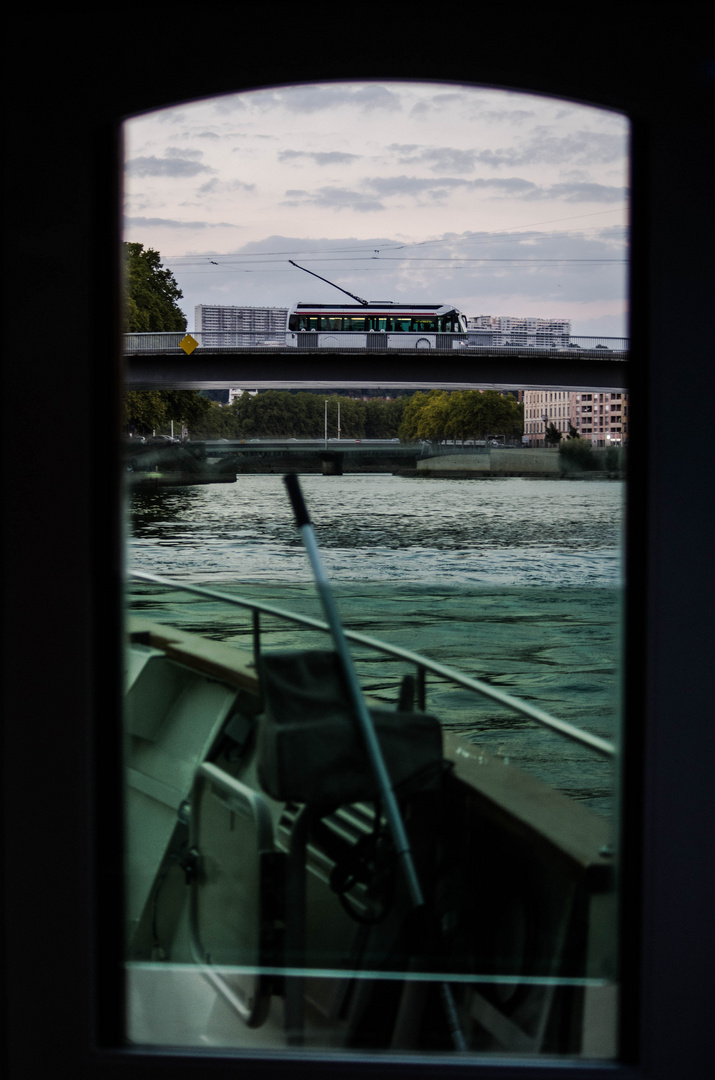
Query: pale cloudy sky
(500,203)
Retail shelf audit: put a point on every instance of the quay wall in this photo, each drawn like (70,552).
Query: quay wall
(179,465)
(512,462)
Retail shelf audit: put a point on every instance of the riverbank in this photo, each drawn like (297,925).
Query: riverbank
(542,463)
(198,463)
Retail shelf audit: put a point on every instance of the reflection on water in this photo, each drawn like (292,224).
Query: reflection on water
(517,582)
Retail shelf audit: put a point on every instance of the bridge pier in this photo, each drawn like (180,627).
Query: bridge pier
(331,464)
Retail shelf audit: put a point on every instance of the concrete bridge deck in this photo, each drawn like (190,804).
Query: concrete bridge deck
(411,369)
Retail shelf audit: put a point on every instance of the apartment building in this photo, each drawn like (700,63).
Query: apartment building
(602,418)
(524,332)
(233,325)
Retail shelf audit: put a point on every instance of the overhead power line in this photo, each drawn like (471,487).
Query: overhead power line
(497,237)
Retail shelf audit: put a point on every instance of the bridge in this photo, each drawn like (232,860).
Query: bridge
(207,461)
(160,362)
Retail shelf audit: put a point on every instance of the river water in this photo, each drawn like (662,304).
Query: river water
(518,582)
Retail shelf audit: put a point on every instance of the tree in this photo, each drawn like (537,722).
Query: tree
(151,293)
(151,410)
(461,414)
(144,410)
(576,455)
(433,421)
(185,407)
(151,297)
(411,417)
(552,435)
(392,413)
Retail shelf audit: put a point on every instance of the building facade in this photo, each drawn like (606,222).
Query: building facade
(227,325)
(523,332)
(602,418)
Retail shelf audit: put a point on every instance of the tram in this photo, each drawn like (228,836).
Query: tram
(376,325)
(373,324)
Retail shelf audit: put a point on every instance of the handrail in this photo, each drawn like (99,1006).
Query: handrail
(604,747)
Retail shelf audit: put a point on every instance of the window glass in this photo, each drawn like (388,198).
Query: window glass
(454,887)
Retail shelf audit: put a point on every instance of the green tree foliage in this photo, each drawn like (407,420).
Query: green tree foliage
(154,410)
(284,415)
(576,455)
(151,297)
(553,435)
(390,419)
(151,293)
(412,411)
(461,416)
(144,411)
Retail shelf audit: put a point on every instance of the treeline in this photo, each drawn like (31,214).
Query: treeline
(268,414)
(461,415)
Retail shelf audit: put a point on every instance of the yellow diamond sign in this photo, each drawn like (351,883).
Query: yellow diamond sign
(188,344)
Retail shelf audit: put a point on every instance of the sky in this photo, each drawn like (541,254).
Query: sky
(500,203)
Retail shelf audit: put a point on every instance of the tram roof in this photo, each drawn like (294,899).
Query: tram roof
(374,305)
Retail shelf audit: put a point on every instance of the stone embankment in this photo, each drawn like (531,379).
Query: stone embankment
(492,462)
(544,463)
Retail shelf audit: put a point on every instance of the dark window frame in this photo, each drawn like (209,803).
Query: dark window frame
(61,757)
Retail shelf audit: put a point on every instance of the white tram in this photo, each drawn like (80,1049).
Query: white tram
(376,325)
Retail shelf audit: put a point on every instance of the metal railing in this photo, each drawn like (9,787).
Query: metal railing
(423,664)
(163,341)
(213,341)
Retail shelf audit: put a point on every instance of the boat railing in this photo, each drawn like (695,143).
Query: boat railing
(423,665)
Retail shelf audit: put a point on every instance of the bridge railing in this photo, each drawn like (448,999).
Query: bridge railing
(162,342)
(486,339)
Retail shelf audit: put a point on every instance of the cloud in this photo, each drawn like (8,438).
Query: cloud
(173,223)
(426,161)
(309,99)
(437,190)
(576,148)
(437,158)
(331,157)
(548,287)
(231,103)
(177,152)
(333,198)
(507,116)
(179,167)
(516,187)
(438,103)
(579,192)
(439,187)
(224,187)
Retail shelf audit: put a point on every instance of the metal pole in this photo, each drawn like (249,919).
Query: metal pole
(367,728)
(377,761)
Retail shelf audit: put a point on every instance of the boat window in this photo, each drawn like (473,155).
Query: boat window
(414,851)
